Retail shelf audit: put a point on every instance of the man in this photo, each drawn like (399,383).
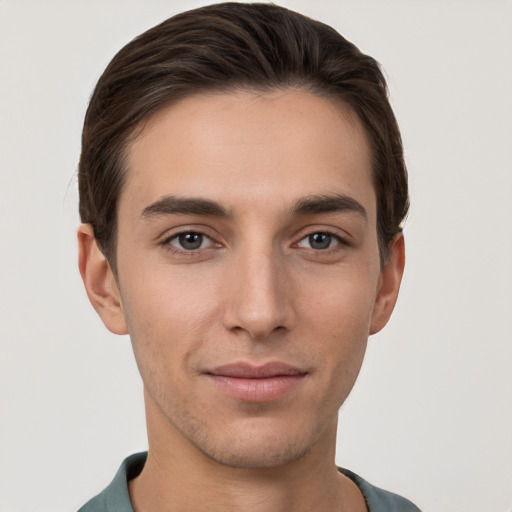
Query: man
(242,187)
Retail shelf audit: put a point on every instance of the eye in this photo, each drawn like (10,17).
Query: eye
(320,241)
(189,241)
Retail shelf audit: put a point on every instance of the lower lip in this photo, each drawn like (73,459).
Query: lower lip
(257,390)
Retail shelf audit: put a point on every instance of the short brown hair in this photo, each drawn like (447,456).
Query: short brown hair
(224,47)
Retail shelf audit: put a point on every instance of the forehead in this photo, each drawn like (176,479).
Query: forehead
(244,148)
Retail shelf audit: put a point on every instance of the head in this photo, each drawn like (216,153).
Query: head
(242,187)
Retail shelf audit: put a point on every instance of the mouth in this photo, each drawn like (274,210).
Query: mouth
(249,383)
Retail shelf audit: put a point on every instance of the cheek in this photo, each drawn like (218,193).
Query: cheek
(158,296)
(339,318)
(168,313)
(341,302)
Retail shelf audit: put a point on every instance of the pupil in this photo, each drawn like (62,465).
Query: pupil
(320,240)
(191,240)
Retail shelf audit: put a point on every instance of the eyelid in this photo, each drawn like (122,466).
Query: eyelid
(169,240)
(175,231)
(171,234)
(340,234)
(343,238)
(339,240)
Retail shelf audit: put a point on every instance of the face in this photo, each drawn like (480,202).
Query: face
(248,271)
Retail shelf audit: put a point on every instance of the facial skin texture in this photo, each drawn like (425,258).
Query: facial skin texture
(259,288)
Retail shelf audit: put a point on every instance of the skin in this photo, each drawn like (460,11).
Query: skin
(259,288)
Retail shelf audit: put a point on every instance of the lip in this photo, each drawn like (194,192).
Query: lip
(250,383)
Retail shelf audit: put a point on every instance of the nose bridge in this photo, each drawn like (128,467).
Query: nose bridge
(259,302)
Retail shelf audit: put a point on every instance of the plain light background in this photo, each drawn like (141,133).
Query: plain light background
(431,414)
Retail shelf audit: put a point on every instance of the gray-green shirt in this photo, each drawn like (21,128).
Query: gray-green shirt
(115,498)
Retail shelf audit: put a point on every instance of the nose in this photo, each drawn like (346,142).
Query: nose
(258,297)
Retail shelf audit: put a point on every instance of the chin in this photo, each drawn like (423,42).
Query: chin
(261,457)
(259,447)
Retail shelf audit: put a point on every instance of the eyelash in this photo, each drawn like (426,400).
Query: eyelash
(167,243)
(333,236)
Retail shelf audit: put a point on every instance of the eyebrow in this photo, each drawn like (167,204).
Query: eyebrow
(328,203)
(313,204)
(169,205)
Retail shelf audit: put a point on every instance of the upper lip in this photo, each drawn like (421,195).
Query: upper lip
(249,371)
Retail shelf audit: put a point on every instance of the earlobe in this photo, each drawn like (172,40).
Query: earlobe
(99,281)
(389,284)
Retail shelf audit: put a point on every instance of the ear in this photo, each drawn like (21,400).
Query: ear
(389,284)
(99,281)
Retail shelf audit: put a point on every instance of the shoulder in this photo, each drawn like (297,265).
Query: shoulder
(379,500)
(116,498)
(96,504)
